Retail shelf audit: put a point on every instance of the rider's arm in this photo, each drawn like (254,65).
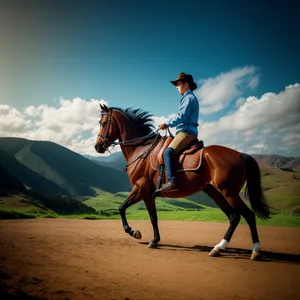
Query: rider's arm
(183,114)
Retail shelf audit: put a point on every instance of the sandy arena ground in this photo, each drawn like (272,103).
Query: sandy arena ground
(88,259)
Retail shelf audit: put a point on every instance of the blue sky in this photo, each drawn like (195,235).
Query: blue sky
(126,52)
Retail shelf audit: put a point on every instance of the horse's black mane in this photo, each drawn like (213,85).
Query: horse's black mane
(141,119)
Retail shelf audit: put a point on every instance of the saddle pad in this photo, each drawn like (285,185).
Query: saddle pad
(185,162)
(190,162)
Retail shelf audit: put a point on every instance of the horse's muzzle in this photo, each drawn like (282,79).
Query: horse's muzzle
(99,148)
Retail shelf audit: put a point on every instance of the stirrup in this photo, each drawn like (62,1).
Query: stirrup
(168,187)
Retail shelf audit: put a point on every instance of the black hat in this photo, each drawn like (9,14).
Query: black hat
(185,78)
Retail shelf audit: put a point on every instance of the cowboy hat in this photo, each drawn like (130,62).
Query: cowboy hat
(185,78)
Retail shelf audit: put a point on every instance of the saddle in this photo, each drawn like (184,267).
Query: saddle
(189,159)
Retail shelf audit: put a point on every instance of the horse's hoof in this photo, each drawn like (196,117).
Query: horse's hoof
(137,234)
(152,245)
(255,255)
(214,253)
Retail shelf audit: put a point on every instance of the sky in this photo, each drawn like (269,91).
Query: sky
(59,59)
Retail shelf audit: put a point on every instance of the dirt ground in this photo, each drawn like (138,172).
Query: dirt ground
(88,259)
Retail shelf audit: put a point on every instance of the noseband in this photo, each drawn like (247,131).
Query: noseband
(104,137)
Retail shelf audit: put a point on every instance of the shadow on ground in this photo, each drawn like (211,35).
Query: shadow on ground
(236,253)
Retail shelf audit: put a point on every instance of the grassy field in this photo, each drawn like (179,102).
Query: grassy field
(282,190)
(207,215)
(23,204)
(216,215)
(107,201)
(166,211)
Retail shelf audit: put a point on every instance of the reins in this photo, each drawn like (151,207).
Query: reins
(128,142)
(124,143)
(145,153)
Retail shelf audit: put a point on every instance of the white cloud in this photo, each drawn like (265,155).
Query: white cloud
(216,93)
(259,147)
(31,111)
(260,125)
(12,121)
(4,109)
(74,124)
(269,124)
(253,82)
(239,102)
(291,139)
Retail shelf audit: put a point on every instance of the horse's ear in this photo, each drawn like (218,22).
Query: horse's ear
(103,107)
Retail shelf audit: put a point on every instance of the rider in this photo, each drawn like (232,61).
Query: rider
(186,122)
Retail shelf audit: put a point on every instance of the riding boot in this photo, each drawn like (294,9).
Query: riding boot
(170,165)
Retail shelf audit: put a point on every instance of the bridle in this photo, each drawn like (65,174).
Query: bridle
(107,143)
(156,138)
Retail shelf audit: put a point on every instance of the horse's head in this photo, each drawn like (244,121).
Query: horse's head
(108,130)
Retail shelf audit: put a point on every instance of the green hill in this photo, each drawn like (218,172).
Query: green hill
(282,188)
(52,169)
(9,182)
(115,160)
(28,177)
(203,199)
(34,204)
(280,180)
(110,202)
(23,203)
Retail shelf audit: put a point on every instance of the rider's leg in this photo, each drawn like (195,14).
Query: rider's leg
(180,141)
(170,165)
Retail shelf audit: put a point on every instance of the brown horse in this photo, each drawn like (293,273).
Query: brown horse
(222,174)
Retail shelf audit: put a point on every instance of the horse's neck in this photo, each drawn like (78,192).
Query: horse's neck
(133,149)
(132,152)
(127,133)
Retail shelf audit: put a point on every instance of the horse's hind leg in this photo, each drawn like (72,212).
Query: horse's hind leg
(233,216)
(237,203)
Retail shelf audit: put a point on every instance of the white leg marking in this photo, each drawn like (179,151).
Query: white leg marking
(222,245)
(256,253)
(256,247)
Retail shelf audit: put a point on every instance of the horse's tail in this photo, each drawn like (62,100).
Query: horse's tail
(253,190)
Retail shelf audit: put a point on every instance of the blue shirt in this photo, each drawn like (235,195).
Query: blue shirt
(186,120)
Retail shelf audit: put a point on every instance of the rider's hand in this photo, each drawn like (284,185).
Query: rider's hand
(163,126)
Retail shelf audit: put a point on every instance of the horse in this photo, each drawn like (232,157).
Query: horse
(221,175)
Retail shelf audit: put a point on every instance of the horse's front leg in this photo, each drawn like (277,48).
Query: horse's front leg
(151,207)
(134,197)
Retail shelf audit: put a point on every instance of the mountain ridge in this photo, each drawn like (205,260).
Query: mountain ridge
(55,170)
(47,165)
(264,160)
